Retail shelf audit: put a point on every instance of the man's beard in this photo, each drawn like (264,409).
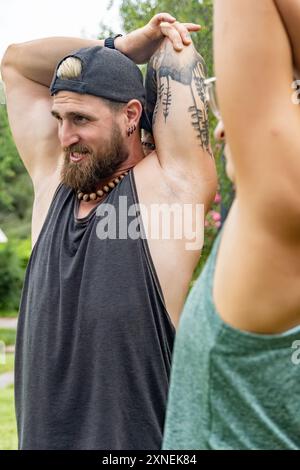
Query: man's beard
(86,174)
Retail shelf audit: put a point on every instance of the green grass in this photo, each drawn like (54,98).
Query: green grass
(9,363)
(8,427)
(8,336)
(8,313)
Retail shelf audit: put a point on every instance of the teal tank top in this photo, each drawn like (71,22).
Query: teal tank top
(230,389)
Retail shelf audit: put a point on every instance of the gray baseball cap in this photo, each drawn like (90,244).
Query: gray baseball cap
(106,73)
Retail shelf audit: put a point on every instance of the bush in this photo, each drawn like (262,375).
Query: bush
(8,336)
(23,250)
(11,277)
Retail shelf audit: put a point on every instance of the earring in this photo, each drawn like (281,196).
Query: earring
(131,130)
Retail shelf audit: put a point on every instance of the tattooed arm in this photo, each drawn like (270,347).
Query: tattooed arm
(177,104)
(180,172)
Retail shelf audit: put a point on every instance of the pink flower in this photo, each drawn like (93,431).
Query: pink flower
(217,198)
(216,216)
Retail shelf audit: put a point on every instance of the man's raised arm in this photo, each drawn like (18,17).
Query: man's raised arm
(27,71)
(176,99)
(36,60)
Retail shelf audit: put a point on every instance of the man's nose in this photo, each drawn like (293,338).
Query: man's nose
(219,132)
(67,135)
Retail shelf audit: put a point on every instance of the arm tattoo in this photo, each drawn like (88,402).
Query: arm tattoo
(166,66)
(167,99)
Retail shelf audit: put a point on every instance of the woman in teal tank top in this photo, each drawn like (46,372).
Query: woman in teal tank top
(230,389)
(235,379)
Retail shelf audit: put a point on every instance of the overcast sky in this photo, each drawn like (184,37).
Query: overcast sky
(23,20)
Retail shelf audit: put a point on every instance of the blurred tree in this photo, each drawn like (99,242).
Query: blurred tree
(11,277)
(16,192)
(136,13)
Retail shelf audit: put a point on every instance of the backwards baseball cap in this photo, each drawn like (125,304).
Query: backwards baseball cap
(106,73)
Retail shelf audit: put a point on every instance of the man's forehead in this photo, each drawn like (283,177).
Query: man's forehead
(67,102)
(69,97)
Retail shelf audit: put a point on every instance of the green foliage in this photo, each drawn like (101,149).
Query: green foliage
(8,313)
(8,336)
(11,277)
(16,194)
(8,428)
(14,257)
(8,161)
(23,250)
(9,363)
(137,13)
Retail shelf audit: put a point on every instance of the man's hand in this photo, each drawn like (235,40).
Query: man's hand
(141,44)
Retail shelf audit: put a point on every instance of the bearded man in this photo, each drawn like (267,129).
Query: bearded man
(99,308)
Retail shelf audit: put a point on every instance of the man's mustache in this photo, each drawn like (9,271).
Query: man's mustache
(77,148)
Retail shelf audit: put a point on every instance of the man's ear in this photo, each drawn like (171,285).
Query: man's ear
(133,111)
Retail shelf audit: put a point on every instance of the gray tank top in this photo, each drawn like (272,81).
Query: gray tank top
(231,389)
(94,338)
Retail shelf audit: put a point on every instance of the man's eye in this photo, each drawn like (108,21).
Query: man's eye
(80,119)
